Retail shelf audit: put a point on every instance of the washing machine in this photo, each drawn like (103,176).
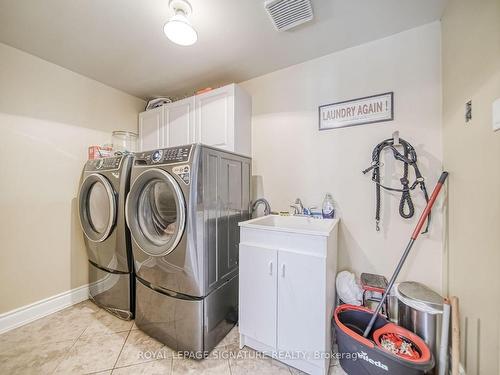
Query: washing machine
(101,199)
(183,211)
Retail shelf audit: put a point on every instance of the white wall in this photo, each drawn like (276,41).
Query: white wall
(297,160)
(48,117)
(471,32)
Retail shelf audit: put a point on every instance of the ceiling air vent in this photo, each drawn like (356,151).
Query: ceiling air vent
(287,14)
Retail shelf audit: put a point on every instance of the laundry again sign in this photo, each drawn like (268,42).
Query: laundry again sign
(359,111)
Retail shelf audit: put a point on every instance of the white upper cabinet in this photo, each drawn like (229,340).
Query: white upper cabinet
(215,118)
(150,129)
(178,123)
(219,118)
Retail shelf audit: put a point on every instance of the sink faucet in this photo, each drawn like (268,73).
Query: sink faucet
(267,206)
(298,207)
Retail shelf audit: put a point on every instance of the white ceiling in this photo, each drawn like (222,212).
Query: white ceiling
(121,42)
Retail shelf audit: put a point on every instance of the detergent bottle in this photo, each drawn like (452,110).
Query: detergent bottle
(328,209)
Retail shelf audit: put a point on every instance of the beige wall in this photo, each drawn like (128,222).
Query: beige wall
(471,71)
(48,117)
(297,160)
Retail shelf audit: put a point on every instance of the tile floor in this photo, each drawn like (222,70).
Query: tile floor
(85,339)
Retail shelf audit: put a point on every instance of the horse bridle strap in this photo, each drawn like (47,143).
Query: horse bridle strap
(409,158)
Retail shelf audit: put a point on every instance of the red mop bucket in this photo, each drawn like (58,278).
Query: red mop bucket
(368,343)
(360,355)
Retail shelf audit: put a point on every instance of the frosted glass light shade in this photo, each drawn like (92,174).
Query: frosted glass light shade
(179,30)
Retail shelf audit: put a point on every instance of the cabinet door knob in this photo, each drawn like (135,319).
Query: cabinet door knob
(271,268)
(283,270)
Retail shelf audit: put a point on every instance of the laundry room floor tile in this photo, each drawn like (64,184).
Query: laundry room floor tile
(159,367)
(140,348)
(233,337)
(93,354)
(105,322)
(67,324)
(264,366)
(334,370)
(33,359)
(85,339)
(247,361)
(208,366)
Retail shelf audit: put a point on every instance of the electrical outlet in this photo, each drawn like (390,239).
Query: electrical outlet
(468,111)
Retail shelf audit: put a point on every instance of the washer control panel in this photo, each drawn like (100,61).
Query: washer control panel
(104,164)
(172,155)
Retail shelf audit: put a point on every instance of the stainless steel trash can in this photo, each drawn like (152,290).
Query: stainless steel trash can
(420,310)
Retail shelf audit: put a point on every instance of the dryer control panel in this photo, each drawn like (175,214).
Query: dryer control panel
(104,164)
(172,155)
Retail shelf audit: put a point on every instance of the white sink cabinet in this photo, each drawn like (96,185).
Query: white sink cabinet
(287,271)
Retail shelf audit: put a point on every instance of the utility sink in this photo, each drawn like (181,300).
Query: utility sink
(292,224)
(287,270)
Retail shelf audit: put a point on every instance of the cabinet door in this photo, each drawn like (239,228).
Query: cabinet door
(178,128)
(301,296)
(230,214)
(215,118)
(257,290)
(150,128)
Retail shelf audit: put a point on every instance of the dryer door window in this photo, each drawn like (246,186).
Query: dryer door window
(99,211)
(156,212)
(97,207)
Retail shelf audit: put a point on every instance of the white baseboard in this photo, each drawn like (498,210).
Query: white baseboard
(26,314)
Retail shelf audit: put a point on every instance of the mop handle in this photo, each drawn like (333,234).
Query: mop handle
(428,208)
(414,236)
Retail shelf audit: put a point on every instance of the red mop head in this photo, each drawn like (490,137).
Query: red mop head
(402,343)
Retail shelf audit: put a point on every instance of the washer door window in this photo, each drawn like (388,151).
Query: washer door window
(156,212)
(97,207)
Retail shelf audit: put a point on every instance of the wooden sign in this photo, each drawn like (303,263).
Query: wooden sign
(367,110)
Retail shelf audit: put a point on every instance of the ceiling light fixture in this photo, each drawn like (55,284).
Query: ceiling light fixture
(178,28)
